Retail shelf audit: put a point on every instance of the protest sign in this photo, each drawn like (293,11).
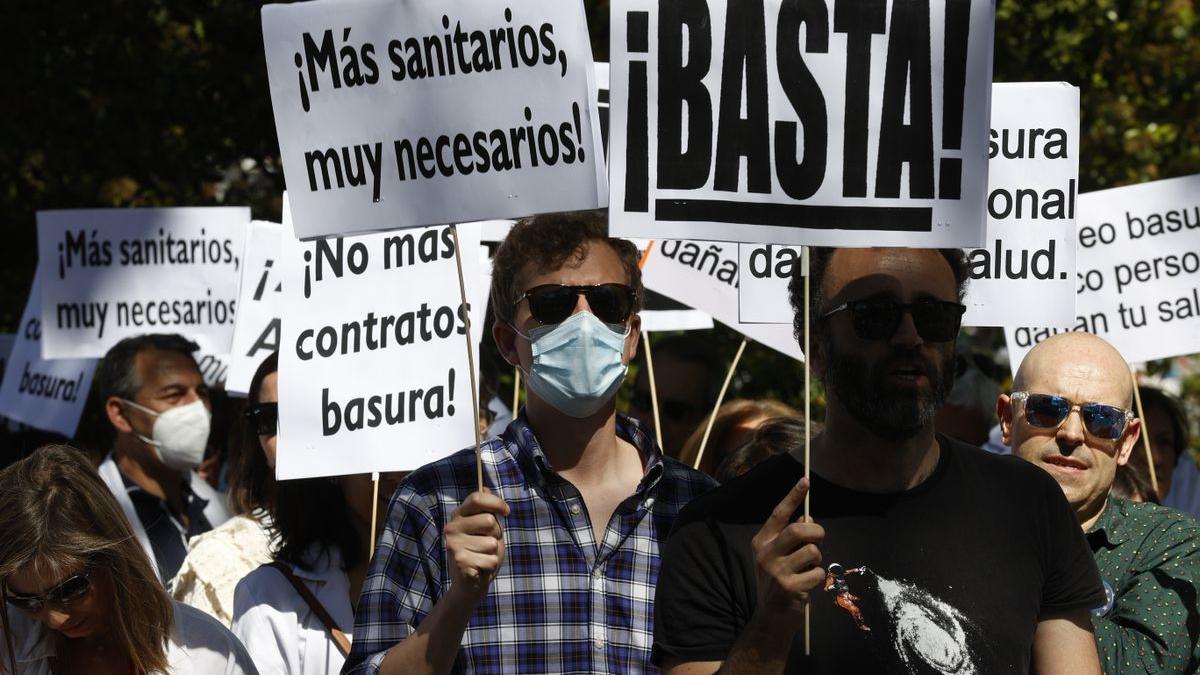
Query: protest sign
(1138,276)
(256,331)
(48,395)
(824,123)
(764,272)
(214,368)
(432,111)
(373,368)
(1026,272)
(705,275)
(108,274)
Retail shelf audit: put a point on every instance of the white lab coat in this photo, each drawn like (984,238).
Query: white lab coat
(216,511)
(281,632)
(199,645)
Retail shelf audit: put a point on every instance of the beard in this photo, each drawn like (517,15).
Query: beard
(890,413)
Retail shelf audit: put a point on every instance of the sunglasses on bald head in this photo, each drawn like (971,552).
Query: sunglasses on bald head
(61,595)
(1046,411)
(554,303)
(879,318)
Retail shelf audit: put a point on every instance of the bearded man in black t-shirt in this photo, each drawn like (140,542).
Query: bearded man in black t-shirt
(940,558)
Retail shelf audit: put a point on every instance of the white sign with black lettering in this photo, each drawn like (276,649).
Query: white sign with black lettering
(404,114)
(1138,277)
(47,395)
(1026,273)
(373,370)
(256,331)
(826,123)
(108,274)
(764,273)
(705,275)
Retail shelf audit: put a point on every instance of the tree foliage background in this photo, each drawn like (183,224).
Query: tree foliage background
(121,103)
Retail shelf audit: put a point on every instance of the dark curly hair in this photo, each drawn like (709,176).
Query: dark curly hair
(818,263)
(549,242)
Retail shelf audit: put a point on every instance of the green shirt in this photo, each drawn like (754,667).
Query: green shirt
(1149,558)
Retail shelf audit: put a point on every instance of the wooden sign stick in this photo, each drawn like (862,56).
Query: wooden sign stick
(1145,431)
(720,397)
(807,432)
(462,289)
(374,511)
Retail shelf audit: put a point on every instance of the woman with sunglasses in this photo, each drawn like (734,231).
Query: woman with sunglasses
(80,594)
(217,560)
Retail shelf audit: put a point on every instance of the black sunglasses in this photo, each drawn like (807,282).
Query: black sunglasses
(263,418)
(553,303)
(1045,411)
(67,591)
(879,318)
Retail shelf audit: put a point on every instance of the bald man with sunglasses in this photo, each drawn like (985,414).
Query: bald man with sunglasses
(923,554)
(1069,413)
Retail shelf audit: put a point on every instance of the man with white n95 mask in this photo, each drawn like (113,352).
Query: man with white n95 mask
(551,568)
(155,399)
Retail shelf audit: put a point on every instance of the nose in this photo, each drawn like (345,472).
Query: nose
(906,333)
(581,304)
(52,618)
(1070,433)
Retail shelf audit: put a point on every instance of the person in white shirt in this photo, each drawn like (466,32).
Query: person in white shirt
(296,615)
(86,597)
(217,560)
(157,404)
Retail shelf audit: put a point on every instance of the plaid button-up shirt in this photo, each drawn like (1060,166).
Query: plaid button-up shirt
(562,602)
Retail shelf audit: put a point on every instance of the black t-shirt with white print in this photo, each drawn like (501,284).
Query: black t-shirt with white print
(948,577)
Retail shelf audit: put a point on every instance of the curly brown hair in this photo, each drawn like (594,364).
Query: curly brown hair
(549,242)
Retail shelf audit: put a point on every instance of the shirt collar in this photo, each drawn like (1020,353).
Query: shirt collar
(529,454)
(1111,523)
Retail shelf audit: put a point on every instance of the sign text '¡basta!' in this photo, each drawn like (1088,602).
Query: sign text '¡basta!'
(687,156)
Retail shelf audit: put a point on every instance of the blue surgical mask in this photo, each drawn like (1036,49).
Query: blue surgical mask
(577,364)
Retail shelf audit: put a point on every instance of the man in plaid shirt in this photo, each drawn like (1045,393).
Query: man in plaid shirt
(552,568)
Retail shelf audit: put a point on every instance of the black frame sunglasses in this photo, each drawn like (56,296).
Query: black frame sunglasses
(263,418)
(554,303)
(62,594)
(1047,411)
(879,318)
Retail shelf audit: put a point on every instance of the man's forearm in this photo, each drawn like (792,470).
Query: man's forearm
(761,648)
(433,646)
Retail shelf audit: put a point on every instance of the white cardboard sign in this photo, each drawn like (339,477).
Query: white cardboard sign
(48,395)
(404,114)
(1026,273)
(108,274)
(1138,277)
(373,370)
(256,331)
(824,123)
(704,275)
(764,273)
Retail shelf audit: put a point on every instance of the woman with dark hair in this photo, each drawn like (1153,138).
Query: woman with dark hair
(81,596)
(295,614)
(217,560)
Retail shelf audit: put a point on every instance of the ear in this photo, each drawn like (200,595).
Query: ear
(1129,441)
(1004,410)
(634,338)
(115,412)
(505,338)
